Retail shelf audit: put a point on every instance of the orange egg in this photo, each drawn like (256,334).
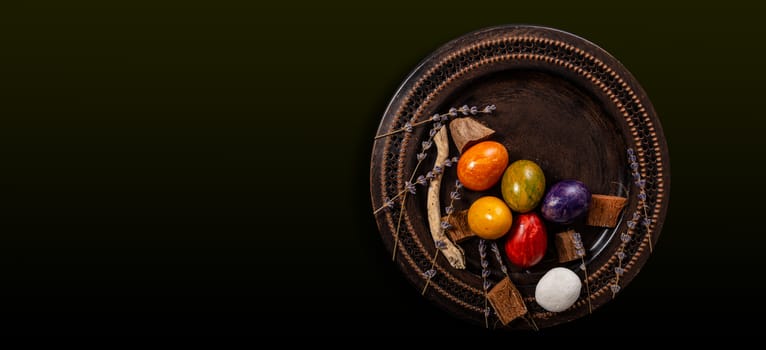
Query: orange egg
(489,217)
(482,165)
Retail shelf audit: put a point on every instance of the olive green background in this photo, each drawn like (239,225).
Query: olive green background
(199,167)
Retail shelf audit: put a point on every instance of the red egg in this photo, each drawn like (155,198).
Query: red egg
(527,240)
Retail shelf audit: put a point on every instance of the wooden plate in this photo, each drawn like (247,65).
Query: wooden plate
(562,102)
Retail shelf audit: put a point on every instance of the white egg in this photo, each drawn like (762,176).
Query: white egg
(558,289)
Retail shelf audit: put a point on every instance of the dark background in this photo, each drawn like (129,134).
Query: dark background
(202,167)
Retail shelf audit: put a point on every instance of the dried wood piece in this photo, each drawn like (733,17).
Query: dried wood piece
(459,231)
(565,246)
(468,131)
(453,253)
(604,210)
(507,301)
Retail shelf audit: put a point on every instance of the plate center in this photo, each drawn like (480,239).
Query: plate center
(546,118)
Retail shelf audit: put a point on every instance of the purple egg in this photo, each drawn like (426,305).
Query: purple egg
(565,201)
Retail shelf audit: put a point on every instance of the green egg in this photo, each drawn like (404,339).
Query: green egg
(523,185)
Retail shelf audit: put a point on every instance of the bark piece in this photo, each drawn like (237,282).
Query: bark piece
(468,131)
(459,231)
(604,210)
(565,246)
(507,301)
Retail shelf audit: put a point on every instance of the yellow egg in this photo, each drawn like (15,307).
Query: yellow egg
(489,217)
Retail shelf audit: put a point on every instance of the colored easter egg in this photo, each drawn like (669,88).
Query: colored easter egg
(489,217)
(527,240)
(482,165)
(558,289)
(565,201)
(523,185)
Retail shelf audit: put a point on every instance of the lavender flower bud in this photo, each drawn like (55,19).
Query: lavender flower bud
(410,187)
(441,245)
(619,271)
(453,112)
(615,288)
(429,274)
(474,110)
(577,241)
(445,225)
(454,195)
(422,180)
(489,108)
(421,156)
(487,284)
(426,145)
(621,255)
(449,210)
(407,127)
(624,237)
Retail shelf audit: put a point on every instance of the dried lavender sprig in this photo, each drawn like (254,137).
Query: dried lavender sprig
(499,259)
(633,223)
(453,112)
(577,242)
(431,272)
(641,183)
(408,189)
(423,180)
(484,274)
(625,237)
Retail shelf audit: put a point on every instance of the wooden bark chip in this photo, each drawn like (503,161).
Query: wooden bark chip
(453,253)
(565,246)
(459,231)
(467,131)
(604,210)
(507,301)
